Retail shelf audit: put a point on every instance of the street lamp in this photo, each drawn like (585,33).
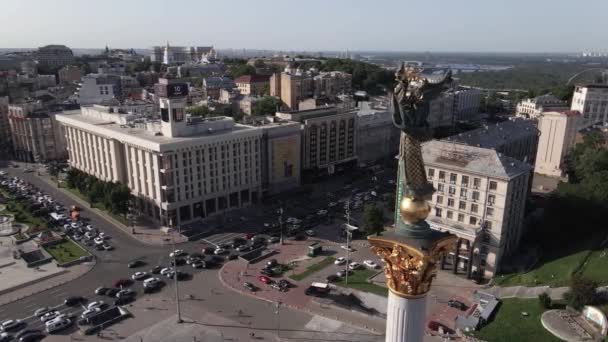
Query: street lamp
(276,312)
(281,224)
(348,236)
(179,312)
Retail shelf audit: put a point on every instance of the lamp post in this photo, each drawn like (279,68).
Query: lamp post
(179,312)
(276,312)
(281,224)
(348,235)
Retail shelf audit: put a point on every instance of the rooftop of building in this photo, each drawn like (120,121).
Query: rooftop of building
(546,98)
(471,159)
(252,78)
(564,111)
(593,85)
(141,133)
(494,136)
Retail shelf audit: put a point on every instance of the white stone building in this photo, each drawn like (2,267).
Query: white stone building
(534,107)
(592,101)
(377,136)
(96,89)
(466,104)
(480,197)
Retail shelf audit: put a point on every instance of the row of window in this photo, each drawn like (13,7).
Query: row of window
(460,217)
(464,180)
(462,205)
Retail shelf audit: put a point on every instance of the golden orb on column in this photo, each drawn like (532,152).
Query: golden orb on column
(413,210)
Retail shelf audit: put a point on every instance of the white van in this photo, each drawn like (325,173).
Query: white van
(57,324)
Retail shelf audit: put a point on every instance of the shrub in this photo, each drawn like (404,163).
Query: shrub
(544,300)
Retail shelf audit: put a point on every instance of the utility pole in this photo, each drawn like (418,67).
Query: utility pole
(276,312)
(348,233)
(179,312)
(281,224)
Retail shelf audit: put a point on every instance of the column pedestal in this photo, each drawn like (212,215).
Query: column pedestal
(405,318)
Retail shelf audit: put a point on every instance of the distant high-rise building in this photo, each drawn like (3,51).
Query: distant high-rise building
(591,100)
(5,130)
(54,56)
(183,54)
(557,137)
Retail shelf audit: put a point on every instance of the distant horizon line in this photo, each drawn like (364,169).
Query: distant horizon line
(335,51)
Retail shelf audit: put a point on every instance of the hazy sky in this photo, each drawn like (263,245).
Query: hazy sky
(400,25)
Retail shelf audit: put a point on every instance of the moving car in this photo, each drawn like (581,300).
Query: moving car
(340,261)
(139,275)
(370,264)
(343,273)
(58,324)
(122,283)
(332,278)
(96,304)
(354,265)
(156,269)
(219,251)
(107,247)
(88,313)
(274,239)
(41,311)
(176,253)
(10,324)
(243,248)
(198,264)
(74,300)
(135,263)
(166,270)
(49,316)
(453,303)
(31,337)
(317,289)
(112,292)
(208,250)
(5,337)
(152,283)
(101,290)
(125,293)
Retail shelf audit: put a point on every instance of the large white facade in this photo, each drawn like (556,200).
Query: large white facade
(592,101)
(534,107)
(96,89)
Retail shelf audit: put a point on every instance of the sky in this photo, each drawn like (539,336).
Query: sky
(311,25)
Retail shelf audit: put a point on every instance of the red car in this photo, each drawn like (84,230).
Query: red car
(436,326)
(122,283)
(248,236)
(265,279)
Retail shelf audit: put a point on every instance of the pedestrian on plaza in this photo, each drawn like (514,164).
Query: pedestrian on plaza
(252,334)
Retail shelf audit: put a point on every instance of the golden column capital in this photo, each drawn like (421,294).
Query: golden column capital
(409,266)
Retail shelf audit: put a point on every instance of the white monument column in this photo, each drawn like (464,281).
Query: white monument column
(405,318)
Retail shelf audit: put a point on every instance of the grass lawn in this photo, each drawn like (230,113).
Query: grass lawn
(313,268)
(596,267)
(66,251)
(22,215)
(358,281)
(509,325)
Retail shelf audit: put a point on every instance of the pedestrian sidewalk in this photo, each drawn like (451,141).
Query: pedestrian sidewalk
(526,292)
(147,234)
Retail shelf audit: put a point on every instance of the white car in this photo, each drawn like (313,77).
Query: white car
(89,313)
(97,304)
(49,316)
(90,228)
(354,265)
(56,319)
(166,270)
(340,261)
(219,251)
(103,235)
(10,324)
(108,247)
(98,240)
(89,235)
(348,248)
(176,253)
(139,275)
(370,264)
(57,324)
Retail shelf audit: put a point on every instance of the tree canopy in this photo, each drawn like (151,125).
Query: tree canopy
(373,219)
(266,106)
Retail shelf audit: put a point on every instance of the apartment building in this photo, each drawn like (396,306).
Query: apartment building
(181,169)
(592,101)
(329,136)
(295,85)
(54,56)
(534,107)
(253,85)
(516,138)
(35,133)
(212,86)
(480,197)
(557,137)
(97,89)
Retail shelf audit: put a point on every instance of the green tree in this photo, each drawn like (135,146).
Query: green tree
(544,300)
(266,106)
(199,111)
(591,161)
(120,197)
(259,63)
(373,219)
(582,292)
(240,70)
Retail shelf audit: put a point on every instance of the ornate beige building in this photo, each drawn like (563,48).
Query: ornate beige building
(592,101)
(480,198)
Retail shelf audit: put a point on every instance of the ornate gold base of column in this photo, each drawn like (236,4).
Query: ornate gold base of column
(411,264)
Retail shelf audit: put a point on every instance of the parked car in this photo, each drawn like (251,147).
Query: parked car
(248,236)
(354,265)
(243,248)
(88,313)
(32,337)
(112,292)
(139,275)
(198,264)
(272,263)
(166,270)
(208,250)
(156,269)
(310,232)
(317,289)
(122,283)
(176,253)
(107,247)
(49,316)
(332,278)
(125,293)
(250,287)
(343,273)
(56,325)
(284,283)
(5,337)
(265,280)
(274,239)
(453,303)
(178,262)
(41,311)
(219,251)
